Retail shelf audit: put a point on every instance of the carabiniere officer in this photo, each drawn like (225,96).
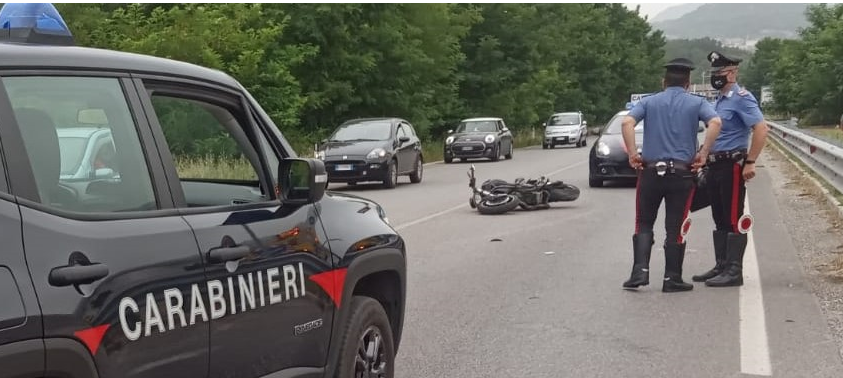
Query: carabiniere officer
(666,169)
(730,165)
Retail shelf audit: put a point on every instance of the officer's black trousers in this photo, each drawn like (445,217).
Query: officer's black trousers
(676,189)
(726,190)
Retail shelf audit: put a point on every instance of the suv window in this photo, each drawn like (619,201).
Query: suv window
(82,143)
(401,132)
(214,159)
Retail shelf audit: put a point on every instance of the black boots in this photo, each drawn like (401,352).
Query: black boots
(733,275)
(719,257)
(642,245)
(674,256)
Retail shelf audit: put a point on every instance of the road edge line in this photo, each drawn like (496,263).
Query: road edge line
(754,342)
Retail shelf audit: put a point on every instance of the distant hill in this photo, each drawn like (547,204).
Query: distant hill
(697,51)
(735,21)
(675,12)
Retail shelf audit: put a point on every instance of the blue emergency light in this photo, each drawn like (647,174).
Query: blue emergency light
(35,23)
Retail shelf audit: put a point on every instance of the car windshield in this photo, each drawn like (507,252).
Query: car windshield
(72,150)
(564,120)
(478,127)
(363,131)
(614,126)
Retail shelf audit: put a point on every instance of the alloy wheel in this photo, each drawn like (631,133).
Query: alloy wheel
(370,361)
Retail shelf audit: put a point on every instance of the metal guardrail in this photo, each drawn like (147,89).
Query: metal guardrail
(822,157)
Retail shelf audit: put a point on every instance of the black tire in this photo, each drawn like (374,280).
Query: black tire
(585,141)
(511,151)
(391,179)
(449,160)
(497,155)
(544,146)
(497,205)
(566,194)
(367,322)
(595,183)
(418,173)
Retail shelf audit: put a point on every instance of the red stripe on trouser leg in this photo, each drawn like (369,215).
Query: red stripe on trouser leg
(685,213)
(736,180)
(637,201)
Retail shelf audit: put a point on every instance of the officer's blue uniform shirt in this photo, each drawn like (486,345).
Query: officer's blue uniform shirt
(671,122)
(739,111)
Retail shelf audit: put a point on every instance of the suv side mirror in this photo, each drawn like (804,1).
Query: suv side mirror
(584,123)
(301,181)
(404,139)
(450,131)
(544,124)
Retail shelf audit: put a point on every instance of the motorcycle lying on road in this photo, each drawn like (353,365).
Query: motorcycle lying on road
(497,196)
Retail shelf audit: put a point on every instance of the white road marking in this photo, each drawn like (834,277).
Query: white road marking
(755,351)
(455,208)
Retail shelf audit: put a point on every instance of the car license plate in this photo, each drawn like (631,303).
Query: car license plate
(466,148)
(344,167)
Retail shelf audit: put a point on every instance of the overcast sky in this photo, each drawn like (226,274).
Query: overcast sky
(650,9)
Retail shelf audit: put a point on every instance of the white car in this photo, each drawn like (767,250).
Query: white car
(565,128)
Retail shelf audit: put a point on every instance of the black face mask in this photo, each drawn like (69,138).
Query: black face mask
(718,81)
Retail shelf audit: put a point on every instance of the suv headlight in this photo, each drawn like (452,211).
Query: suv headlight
(603,149)
(449,140)
(376,153)
(490,138)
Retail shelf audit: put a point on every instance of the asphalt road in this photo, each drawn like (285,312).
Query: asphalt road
(546,299)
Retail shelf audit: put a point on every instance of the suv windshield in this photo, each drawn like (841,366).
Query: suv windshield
(363,131)
(614,126)
(478,127)
(564,120)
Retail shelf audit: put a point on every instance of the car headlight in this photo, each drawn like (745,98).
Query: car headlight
(603,149)
(320,155)
(490,138)
(449,140)
(376,153)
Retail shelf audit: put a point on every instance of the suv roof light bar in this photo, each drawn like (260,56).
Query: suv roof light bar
(34,23)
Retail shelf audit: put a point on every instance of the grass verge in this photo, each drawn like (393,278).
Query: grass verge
(214,167)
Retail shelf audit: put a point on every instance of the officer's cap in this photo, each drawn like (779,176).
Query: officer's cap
(680,64)
(719,60)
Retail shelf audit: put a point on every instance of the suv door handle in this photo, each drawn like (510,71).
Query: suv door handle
(223,254)
(77,274)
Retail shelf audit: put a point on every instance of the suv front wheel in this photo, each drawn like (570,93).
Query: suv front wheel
(367,345)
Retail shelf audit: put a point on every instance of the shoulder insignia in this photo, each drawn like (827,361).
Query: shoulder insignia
(729,95)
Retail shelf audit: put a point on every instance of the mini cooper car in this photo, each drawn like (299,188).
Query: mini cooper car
(479,138)
(373,149)
(565,128)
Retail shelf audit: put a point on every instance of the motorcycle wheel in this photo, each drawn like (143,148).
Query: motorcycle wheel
(497,204)
(564,194)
